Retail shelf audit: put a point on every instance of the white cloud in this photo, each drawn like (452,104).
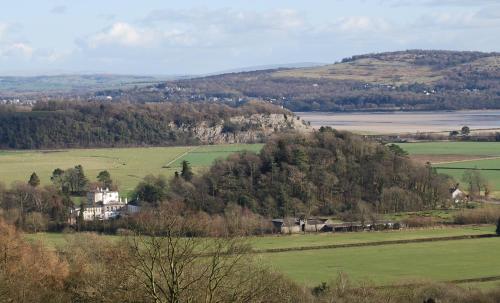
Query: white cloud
(362,24)
(458,20)
(124,34)
(198,28)
(229,20)
(17,49)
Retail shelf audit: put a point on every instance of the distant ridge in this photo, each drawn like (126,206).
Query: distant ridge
(267,67)
(402,80)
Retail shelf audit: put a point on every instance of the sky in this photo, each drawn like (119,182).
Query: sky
(165,37)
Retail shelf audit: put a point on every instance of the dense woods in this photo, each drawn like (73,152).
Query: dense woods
(95,124)
(452,80)
(324,173)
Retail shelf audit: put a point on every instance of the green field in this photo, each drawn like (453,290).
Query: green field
(320,239)
(453,148)
(126,165)
(473,149)
(59,240)
(440,261)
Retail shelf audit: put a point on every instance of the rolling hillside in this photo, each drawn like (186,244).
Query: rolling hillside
(408,80)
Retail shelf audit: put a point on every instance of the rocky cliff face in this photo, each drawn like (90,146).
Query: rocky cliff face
(241,129)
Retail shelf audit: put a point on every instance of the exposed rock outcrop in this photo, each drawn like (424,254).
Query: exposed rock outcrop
(241,129)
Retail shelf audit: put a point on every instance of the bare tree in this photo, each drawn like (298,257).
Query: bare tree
(173,267)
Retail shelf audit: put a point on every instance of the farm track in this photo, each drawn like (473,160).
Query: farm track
(182,155)
(467,160)
(379,243)
(465,168)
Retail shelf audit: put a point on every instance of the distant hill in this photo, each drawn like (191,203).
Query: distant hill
(67,83)
(265,67)
(408,80)
(76,124)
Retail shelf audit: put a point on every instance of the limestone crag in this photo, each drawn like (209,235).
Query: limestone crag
(243,129)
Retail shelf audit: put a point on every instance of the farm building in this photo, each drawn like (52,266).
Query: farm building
(103,204)
(294,225)
(457,195)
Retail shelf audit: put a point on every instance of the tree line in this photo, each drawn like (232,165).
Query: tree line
(94,124)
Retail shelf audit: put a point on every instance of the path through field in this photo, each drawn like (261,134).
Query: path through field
(182,155)
(467,160)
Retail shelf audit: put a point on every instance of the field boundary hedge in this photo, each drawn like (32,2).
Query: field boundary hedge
(460,281)
(379,243)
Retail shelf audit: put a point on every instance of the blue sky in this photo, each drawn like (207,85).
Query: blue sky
(192,37)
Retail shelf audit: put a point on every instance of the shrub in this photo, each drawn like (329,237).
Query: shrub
(418,221)
(485,215)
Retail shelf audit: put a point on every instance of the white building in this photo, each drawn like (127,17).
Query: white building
(103,204)
(458,196)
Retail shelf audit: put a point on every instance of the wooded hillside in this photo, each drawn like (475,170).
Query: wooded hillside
(322,173)
(410,80)
(95,124)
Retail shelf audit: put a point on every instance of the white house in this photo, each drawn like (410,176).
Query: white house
(457,195)
(103,204)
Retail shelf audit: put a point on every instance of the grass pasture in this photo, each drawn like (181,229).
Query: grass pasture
(126,165)
(59,240)
(367,70)
(321,239)
(387,264)
(384,264)
(453,148)
(481,155)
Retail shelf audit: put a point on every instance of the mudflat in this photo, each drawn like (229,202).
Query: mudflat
(399,122)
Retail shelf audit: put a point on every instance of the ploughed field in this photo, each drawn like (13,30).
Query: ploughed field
(382,264)
(127,166)
(453,158)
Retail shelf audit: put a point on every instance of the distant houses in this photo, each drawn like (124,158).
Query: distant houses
(103,204)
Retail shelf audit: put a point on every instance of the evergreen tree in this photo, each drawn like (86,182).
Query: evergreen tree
(465,130)
(186,173)
(498,227)
(81,181)
(34,180)
(105,178)
(80,219)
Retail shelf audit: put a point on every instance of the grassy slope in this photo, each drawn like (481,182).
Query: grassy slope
(127,165)
(368,70)
(453,148)
(462,148)
(393,263)
(287,241)
(442,260)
